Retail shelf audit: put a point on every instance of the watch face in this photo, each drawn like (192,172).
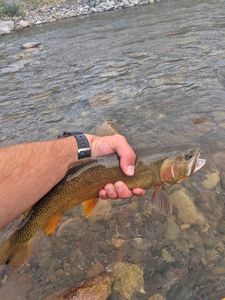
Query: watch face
(83,154)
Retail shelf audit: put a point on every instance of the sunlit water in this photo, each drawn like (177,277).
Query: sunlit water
(158,72)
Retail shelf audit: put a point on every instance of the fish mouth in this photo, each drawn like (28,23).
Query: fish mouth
(199,164)
(196,163)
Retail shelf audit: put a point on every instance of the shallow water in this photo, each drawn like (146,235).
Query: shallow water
(158,72)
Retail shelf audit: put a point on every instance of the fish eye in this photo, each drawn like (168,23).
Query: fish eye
(188,156)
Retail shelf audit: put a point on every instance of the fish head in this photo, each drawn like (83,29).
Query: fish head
(179,167)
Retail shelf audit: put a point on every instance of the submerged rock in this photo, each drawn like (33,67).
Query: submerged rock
(30,45)
(187,211)
(157,297)
(167,257)
(212,179)
(128,279)
(97,288)
(172,231)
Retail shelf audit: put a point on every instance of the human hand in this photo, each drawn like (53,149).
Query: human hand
(110,144)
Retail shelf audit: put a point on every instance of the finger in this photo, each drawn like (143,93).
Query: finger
(138,191)
(122,190)
(126,153)
(110,191)
(102,194)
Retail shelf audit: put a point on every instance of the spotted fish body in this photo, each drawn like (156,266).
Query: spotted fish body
(83,182)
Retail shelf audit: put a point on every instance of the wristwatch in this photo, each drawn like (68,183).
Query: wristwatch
(84,149)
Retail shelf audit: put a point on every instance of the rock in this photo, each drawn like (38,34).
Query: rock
(24,24)
(6,27)
(95,270)
(172,231)
(102,211)
(30,45)
(212,179)
(97,288)
(167,256)
(187,211)
(157,297)
(128,279)
(185,226)
(117,243)
(16,286)
(9,24)
(4,30)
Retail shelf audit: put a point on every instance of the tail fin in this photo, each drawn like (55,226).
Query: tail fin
(13,256)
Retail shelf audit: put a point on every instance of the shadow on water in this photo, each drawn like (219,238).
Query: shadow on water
(158,71)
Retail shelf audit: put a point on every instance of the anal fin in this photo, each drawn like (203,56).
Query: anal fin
(88,206)
(50,227)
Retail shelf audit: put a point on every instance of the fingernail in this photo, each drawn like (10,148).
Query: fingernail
(130,170)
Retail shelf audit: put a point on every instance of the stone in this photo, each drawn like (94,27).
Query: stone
(24,24)
(157,297)
(212,179)
(187,211)
(4,30)
(16,286)
(117,243)
(102,211)
(129,278)
(172,231)
(185,226)
(167,257)
(30,45)
(9,24)
(6,27)
(96,269)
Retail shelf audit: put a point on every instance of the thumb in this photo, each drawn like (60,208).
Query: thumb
(127,156)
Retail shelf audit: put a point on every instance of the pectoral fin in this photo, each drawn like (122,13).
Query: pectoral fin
(162,202)
(50,227)
(88,206)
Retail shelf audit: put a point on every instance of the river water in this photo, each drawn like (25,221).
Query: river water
(158,72)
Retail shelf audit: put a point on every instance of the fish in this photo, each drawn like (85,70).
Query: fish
(154,168)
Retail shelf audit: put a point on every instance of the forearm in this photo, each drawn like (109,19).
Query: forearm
(29,171)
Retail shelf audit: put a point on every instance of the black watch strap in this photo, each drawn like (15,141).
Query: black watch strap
(84,149)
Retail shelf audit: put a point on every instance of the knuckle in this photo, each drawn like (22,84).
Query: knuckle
(120,138)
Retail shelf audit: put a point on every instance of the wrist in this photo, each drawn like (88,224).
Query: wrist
(69,144)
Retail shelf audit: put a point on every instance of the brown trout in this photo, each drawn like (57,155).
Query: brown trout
(84,181)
